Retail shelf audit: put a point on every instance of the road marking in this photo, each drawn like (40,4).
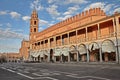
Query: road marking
(65,72)
(25,76)
(10,70)
(3,68)
(88,77)
(36,74)
(46,78)
(26,72)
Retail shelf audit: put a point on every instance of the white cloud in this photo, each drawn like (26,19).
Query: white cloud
(63,18)
(40,28)
(72,10)
(52,10)
(9,34)
(51,1)
(102,5)
(15,15)
(117,10)
(75,1)
(8,24)
(42,22)
(3,12)
(108,7)
(95,5)
(26,18)
(36,5)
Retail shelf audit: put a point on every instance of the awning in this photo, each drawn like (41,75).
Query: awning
(35,54)
(82,49)
(41,53)
(93,46)
(108,46)
(57,52)
(46,53)
(65,51)
(73,51)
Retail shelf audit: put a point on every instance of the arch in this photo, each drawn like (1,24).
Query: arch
(82,52)
(72,47)
(93,46)
(82,49)
(73,53)
(108,46)
(65,54)
(94,53)
(46,55)
(51,55)
(108,50)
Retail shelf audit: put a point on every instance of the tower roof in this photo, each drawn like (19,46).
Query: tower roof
(34,13)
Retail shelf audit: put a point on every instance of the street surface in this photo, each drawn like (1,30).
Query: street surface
(59,71)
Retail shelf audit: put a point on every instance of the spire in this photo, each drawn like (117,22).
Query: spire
(34,13)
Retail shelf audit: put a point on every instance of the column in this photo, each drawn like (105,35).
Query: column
(48,55)
(61,40)
(69,58)
(77,56)
(55,41)
(49,43)
(86,34)
(100,52)
(117,25)
(49,49)
(98,36)
(88,57)
(116,54)
(114,27)
(76,37)
(68,38)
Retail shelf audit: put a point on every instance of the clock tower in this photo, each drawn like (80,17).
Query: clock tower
(34,23)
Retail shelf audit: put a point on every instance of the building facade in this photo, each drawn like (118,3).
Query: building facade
(24,50)
(90,36)
(10,57)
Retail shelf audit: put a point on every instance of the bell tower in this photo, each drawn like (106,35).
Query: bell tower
(34,23)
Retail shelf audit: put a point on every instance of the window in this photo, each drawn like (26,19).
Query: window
(34,22)
(34,29)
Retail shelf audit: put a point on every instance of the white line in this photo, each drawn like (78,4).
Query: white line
(10,70)
(46,78)
(3,68)
(25,76)
(88,77)
(65,72)
(36,74)
(98,77)
(26,72)
(52,78)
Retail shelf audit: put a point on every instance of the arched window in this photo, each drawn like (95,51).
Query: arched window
(34,29)
(34,22)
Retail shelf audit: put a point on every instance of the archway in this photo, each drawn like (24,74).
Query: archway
(108,51)
(65,54)
(82,52)
(46,55)
(51,55)
(73,53)
(94,52)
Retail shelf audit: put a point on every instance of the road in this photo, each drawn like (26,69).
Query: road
(55,71)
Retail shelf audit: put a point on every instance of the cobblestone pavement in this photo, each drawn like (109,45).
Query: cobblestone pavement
(55,71)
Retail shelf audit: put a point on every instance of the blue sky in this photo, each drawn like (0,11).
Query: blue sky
(15,15)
